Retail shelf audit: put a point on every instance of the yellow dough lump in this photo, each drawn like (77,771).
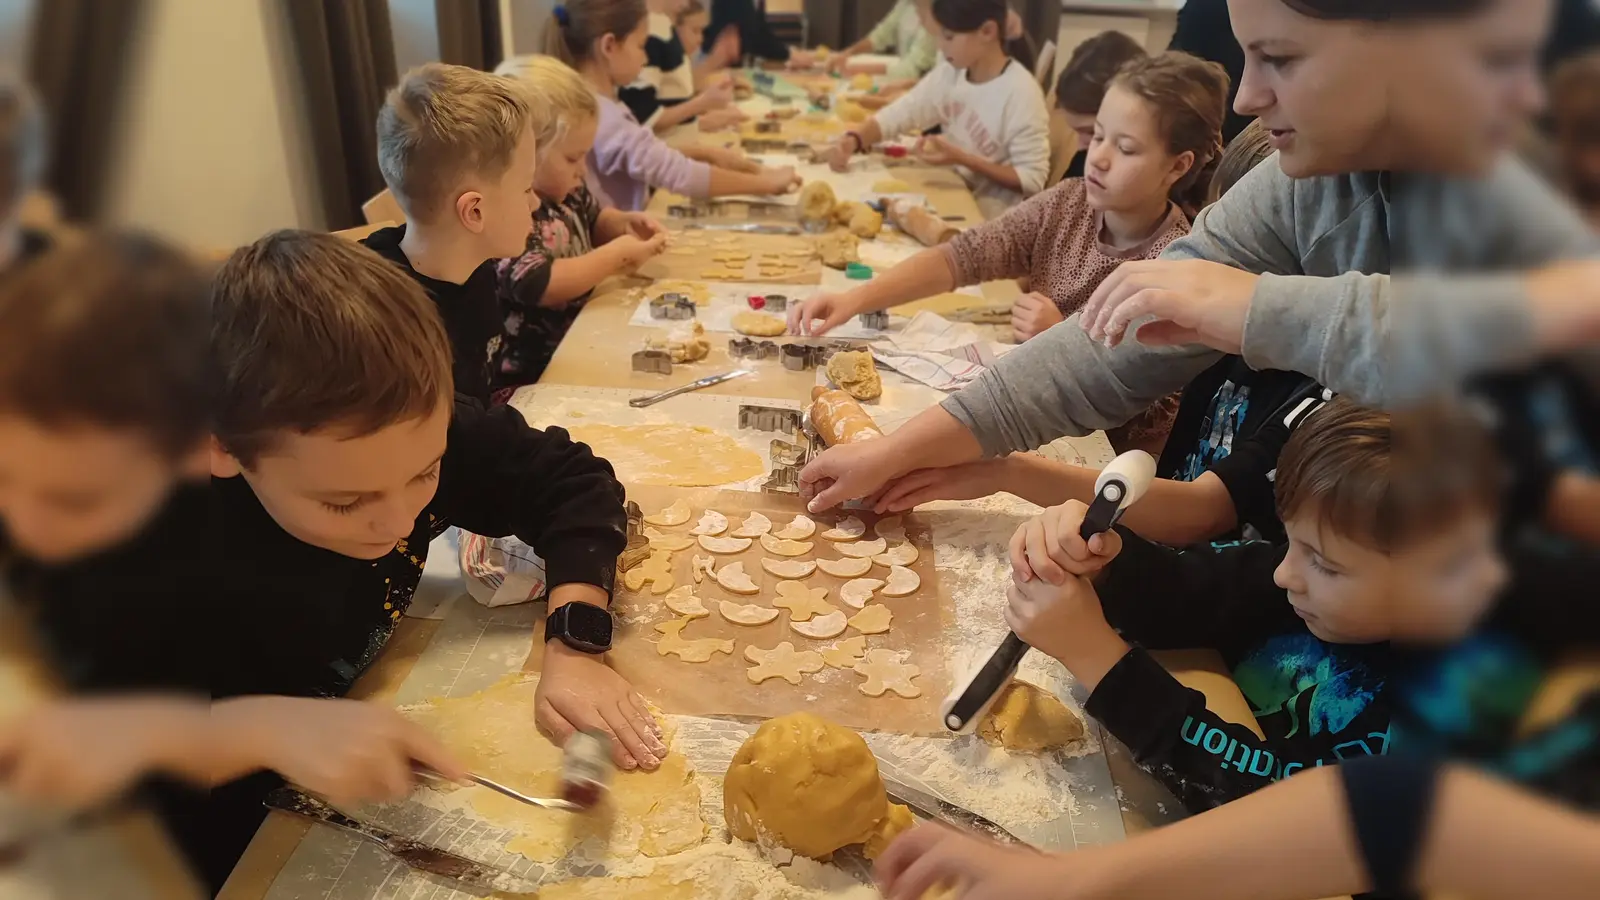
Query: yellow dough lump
(759,324)
(856,374)
(817,201)
(862,82)
(898,821)
(892,186)
(1029,720)
(806,783)
(850,111)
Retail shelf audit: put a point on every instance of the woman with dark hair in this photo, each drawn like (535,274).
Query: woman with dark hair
(1204,30)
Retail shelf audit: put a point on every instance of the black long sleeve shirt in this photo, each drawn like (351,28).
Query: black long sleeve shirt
(755,37)
(1317,702)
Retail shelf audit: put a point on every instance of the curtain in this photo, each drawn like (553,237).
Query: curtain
(470,33)
(345,52)
(78,61)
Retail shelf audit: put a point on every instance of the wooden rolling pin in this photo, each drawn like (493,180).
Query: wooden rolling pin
(920,223)
(839,419)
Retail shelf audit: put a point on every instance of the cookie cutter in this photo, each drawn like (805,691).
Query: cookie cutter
(782,480)
(746,348)
(768,302)
(878,320)
(799,357)
(764,145)
(672,306)
(657,361)
(686,211)
(638,546)
(784,453)
(770,418)
(769,126)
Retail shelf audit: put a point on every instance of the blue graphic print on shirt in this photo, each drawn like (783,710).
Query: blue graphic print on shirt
(1222,424)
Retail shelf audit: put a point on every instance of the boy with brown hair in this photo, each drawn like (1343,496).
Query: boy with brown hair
(22,161)
(1391,538)
(1083,83)
(457,148)
(340,451)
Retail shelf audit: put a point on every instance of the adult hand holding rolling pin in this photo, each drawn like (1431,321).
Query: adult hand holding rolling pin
(1049,546)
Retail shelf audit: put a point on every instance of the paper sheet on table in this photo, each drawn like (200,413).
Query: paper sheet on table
(936,351)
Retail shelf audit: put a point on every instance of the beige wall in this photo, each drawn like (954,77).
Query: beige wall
(212,149)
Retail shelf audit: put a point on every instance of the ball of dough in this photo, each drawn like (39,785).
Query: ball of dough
(806,783)
(865,222)
(862,82)
(856,374)
(897,822)
(1029,720)
(851,111)
(758,324)
(817,201)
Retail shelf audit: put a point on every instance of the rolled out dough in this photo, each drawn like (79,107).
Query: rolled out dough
(680,455)
(1029,720)
(493,734)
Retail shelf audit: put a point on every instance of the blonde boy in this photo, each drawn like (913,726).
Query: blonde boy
(457,148)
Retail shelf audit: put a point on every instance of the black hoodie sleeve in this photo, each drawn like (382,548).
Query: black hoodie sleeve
(755,38)
(1218,597)
(502,477)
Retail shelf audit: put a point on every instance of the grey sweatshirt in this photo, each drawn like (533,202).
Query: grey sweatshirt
(1325,304)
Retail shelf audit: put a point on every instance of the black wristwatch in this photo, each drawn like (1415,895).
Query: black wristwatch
(582,626)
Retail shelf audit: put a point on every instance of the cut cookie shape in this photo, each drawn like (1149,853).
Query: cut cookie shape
(669,542)
(902,581)
(733,578)
(711,522)
(783,547)
(802,602)
(822,627)
(797,530)
(754,526)
(902,554)
(857,592)
(863,549)
(702,566)
(846,653)
(673,643)
(845,568)
(782,661)
(746,613)
(789,568)
(885,672)
(891,529)
(873,619)
(683,602)
(676,514)
(848,530)
(724,545)
(657,571)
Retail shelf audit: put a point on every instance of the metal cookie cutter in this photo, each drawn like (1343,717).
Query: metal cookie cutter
(768,302)
(783,480)
(878,320)
(657,361)
(745,348)
(764,145)
(686,211)
(672,306)
(769,418)
(638,547)
(769,126)
(799,357)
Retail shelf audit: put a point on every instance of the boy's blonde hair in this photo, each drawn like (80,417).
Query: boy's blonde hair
(22,144)
(558,93)
(443,122)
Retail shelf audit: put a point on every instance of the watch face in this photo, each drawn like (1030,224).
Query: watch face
(587,627)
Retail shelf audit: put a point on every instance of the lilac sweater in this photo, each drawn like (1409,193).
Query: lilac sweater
(628,160)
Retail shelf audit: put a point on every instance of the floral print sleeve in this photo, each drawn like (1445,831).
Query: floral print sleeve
(562,229)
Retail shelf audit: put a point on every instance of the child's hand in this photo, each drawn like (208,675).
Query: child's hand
(832,309)
(780,181)
(837,62)
(726,51)
(733,160)
(934,150)
(967,481)
(718,94)
(81,753)
(346,750)
(721,120)
(931,857)
(839,152)
(642,225)
(633,252)
(1055,617)
(801,59)
(1048,546)
(578,691)
(1033,314)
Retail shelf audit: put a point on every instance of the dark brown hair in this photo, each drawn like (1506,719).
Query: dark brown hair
(1386,10)
(1385,481)
(1190,99)
(1246,151)
(575,25)
(1091,67)
(22,144)
(1575,100)
(109,331)
(312,331)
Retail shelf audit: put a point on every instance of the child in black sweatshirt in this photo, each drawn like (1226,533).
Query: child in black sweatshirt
(1305,626)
